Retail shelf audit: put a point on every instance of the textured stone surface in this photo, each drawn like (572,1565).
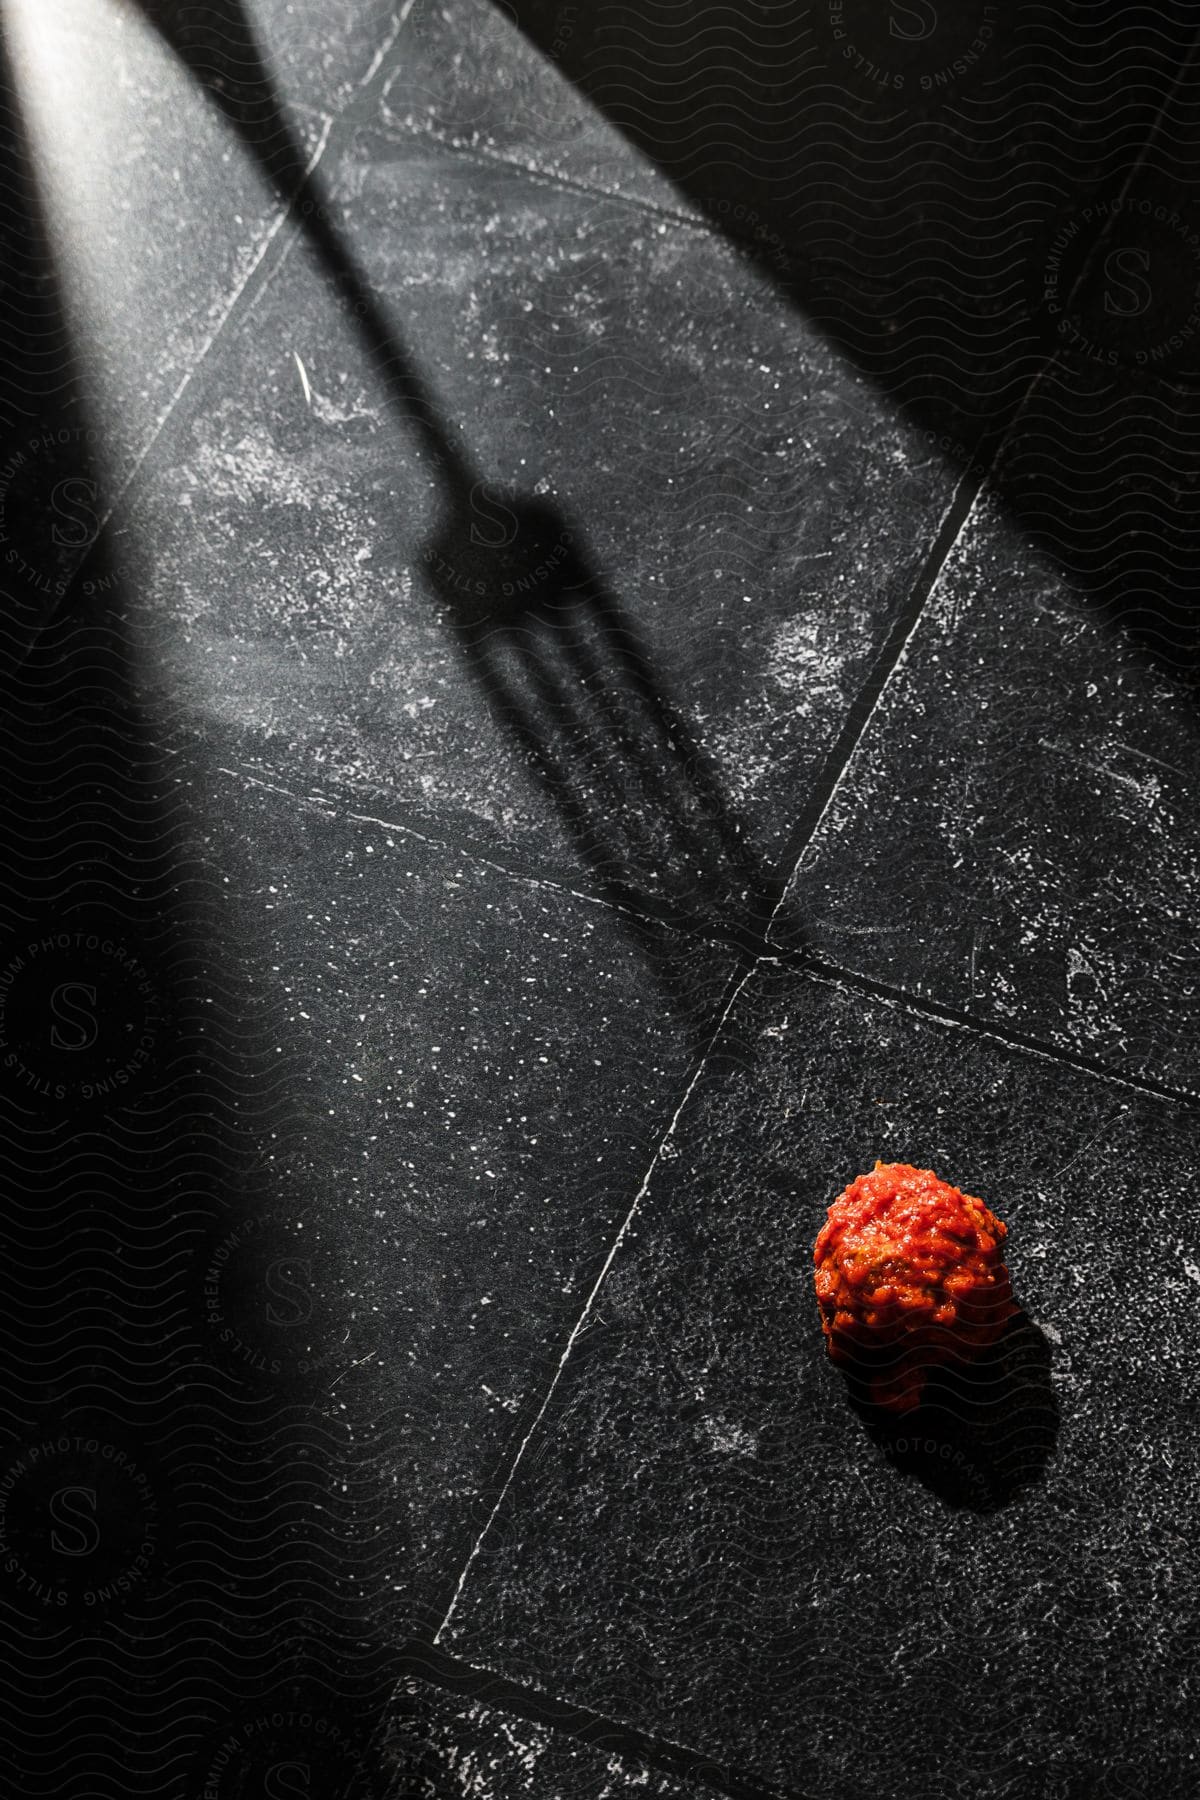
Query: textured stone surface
(704,1539)
(465,74)
(734,496)
(157,215)
(364,817)
(1104,469)
(322,51)
(1104,462)
(1015,835)
(455,1081)
(318,54)
(902,173)
(440,1747)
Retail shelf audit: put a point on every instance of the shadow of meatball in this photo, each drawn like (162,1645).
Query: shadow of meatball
(985,1428)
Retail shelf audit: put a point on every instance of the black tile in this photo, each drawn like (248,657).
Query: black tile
(448,1084)
(321,53)
(1103,462)
(465,74)
(157,215)
(437,1744)
(317,54)
(705,1540)
(901,172)
(739,515)
(1016,834)
(1103,467)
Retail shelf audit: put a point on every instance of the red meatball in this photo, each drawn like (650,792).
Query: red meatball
(909,1275)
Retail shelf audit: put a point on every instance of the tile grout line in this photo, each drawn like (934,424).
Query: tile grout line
(831,974)
(971,488)
(1139,162)
(580,1323)
(384,48)
(235,299)
(1055,358)
(760,951)
(473,852)
(330,128)
(983,476)
(875,686)
(331,122)
(981,479)
(571,184)
(471,1684)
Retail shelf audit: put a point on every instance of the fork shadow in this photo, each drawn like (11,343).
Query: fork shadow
(560,662)
(567,673)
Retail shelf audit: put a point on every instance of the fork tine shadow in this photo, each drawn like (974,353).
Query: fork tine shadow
(564,666)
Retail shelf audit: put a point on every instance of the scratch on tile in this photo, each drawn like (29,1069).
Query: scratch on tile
(283,216)
(385,46)
(1084,762)
(303,380)
(1084,1148)
(1146,756)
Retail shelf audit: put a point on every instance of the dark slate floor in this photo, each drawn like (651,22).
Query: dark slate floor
(598,631)
(722,1556)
